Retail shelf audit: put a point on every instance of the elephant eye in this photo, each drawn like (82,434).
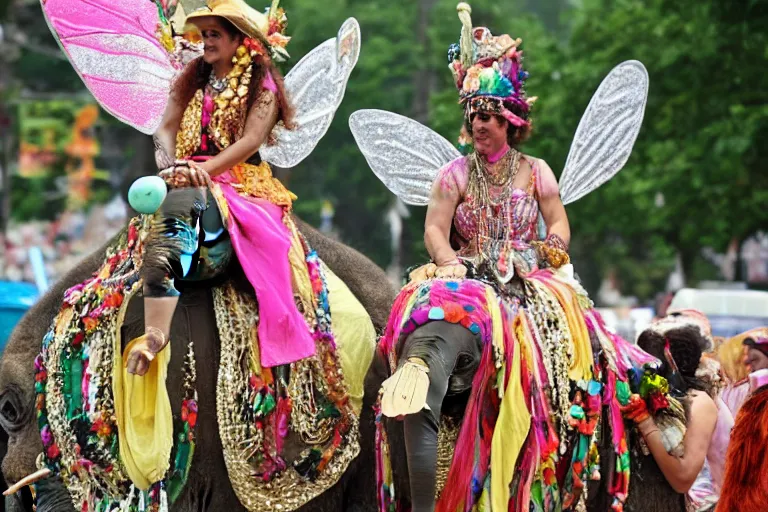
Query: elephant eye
(12,411)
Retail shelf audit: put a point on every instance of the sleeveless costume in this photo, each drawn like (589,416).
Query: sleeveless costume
(517,338)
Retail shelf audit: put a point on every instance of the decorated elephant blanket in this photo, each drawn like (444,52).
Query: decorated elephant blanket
(111,435)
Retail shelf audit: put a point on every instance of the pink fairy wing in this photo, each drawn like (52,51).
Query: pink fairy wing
(113,46)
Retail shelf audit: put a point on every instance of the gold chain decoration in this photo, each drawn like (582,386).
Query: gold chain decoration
(286,490)
(501,174)
(550,329)
(220,120)
(494,213)
(308,422)
(81,346)
(228,118)
(447,436)
(190,130)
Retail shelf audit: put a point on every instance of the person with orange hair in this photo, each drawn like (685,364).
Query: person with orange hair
(745,488)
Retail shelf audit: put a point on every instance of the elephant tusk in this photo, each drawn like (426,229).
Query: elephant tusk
(27,480)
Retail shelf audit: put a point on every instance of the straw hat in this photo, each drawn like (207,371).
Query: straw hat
(248,20)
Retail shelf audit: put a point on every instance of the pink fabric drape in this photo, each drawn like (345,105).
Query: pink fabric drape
(261,242)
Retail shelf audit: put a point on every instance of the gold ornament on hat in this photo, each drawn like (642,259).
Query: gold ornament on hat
(467,49)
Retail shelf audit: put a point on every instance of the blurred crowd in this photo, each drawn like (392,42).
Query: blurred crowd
(63,242)
(720,462)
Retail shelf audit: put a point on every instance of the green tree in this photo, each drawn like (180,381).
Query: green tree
(695,178)
(403,68)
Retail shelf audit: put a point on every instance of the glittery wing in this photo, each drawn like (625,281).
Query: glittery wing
(115,47)
(607,131)
(404,154)
(316,87)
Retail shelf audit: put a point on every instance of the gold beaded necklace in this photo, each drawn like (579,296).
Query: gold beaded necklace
(482,177)
(494,217)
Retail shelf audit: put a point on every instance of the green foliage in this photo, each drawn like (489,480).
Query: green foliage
(35,198)
(403,68)
(695,178)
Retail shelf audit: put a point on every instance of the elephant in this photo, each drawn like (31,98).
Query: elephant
(208,487)
(649,490)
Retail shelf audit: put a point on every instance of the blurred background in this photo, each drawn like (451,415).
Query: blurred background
(689,211)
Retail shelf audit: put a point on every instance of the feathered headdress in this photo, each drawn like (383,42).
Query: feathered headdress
(488,71)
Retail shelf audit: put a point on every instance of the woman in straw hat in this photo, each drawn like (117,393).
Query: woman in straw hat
(287,401)
(223,108)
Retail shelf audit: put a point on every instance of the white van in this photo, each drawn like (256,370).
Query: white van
(730,312)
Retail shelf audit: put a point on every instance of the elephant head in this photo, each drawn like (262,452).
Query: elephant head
(451,354)
(21,437)
(208,486)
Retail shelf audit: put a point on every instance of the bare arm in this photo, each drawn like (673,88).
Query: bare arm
(258,125)
(165,136)
(551,206)
(445,196)
(681,472)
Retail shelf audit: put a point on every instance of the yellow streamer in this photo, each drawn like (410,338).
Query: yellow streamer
(143,415)
(508,436)
(581,364)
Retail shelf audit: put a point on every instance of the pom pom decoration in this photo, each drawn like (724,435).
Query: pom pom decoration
(147,194)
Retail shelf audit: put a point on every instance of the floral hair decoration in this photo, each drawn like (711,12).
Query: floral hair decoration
(488,72)
(265,32)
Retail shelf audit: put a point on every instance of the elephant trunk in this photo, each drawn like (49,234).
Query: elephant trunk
(52,496)
(452,354)
(14,504)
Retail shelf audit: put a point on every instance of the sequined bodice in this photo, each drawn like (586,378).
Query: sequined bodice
(512,220)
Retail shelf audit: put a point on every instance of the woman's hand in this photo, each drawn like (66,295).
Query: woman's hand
(452,270)
(423,273)
(186,174)
(552,251)
(636,410)
(143,351)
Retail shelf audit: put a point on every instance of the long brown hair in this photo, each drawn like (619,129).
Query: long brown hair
(195,76)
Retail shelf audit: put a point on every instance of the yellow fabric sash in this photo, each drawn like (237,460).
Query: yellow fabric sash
(509,435)
(144,417)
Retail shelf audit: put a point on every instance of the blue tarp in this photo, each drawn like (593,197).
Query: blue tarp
(15,300)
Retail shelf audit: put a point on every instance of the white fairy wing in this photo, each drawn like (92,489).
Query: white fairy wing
(404,154)
(316,87)
(607,131)
(114,48)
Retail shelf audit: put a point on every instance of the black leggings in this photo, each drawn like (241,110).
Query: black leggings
(453,355)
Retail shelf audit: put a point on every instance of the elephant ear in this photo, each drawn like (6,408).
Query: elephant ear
(607,131)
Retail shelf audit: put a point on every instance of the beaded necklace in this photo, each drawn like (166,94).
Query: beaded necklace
(494,214)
